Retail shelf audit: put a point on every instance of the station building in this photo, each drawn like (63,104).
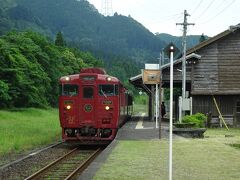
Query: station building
(212,71)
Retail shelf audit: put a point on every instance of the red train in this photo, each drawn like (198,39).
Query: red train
(92,106)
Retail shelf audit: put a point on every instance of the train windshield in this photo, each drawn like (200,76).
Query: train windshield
(68,89)
(108,90)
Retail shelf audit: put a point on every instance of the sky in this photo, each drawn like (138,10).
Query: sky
(211,17)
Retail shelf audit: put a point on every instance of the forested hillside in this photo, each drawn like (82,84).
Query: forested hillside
(83,26)
(30,67)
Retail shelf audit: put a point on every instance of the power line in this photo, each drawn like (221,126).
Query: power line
(205,10)
(174,17)
(198,5)
(224,9)
(216,8)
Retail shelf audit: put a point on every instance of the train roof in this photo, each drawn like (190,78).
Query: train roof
(93,71)
(99,73)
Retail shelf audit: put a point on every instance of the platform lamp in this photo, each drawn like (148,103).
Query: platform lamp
(171,50)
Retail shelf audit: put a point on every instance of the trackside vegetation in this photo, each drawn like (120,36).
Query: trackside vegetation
(215,157)
(24,129)
(30,67)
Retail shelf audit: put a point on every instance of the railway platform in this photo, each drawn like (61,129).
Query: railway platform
(138,128)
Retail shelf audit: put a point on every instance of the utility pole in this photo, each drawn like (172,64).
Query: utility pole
(184,24)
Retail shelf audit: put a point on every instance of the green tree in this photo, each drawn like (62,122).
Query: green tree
(202,38)
(4,96)
(59,39)
(30,68)
(25,77)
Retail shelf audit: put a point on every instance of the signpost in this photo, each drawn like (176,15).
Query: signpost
(152,75)
(171,112)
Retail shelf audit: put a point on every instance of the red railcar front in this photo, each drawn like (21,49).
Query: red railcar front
(92,106)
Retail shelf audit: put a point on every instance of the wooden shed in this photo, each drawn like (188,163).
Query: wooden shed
(213,71)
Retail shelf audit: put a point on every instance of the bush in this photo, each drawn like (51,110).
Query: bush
(184,125)
(141,99)
(198,119)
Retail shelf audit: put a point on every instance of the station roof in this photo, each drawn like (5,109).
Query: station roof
(137,81)
(230,30)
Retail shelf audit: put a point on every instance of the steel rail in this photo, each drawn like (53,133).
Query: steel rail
(50,165)
(85,163)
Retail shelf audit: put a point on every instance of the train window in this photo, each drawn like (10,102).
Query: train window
(116,89)
(108,90)
(88,78)
(69,89)
(88,92)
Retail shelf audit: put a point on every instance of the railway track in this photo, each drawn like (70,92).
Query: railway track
(67,166)
(30,155)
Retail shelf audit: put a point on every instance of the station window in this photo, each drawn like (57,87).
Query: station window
(238,107)
(108,90)
(68,89)
(88,92)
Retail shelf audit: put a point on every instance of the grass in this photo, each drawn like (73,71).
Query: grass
(137,108)
(140,104)
(24,129)
(209,158)
(221,132)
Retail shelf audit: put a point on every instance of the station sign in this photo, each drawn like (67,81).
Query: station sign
(152,66)
(151,76)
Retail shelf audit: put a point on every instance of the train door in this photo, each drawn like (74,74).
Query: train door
(87,105)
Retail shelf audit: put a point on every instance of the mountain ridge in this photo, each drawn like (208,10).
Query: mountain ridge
(83,26)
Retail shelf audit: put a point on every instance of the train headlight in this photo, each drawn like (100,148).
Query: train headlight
(68,131)
(107,108)
(109,78)
(68,107)
(67,78)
